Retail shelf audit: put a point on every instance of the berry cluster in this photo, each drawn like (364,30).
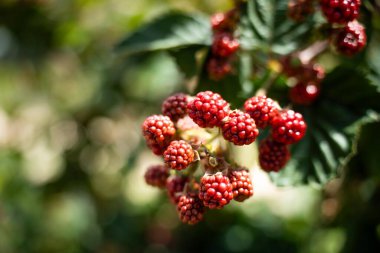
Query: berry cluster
(349,36)
(224,44)
(222,180)
(307,77)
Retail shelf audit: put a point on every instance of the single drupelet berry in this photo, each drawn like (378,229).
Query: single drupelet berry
(158,131)
(224,45)
(298,10)
(156,175)
(190,209)
(208,109)
(340,11)
(216,190)
(261,109)
(175,106)
(273,155)
(239,128)
(304,93)
(175,186)
(224,21)
(241,184)
(288,127)
(218,68)
(179,155)
(351,39)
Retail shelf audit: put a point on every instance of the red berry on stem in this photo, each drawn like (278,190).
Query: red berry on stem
(261,109)
(158,131)
(175,186)
(224,45)
(241,184)
(351,39)
(340,11)
(208,109)
(179,155)
(304,93)
(239,128)
(224,21)
(273,155)
(217,68)
(288,127)
(175,106)
(216,190)
(190,209)
(156,175)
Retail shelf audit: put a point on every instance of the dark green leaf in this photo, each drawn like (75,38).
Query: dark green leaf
(186,60)
(270,29)
(173,30)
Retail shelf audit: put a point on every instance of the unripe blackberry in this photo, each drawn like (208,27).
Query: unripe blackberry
(351,39)
(288,127)
(261,109)
(175,106)
(158,131)
(224,45)
(239,128)
(298,10)
(208,109)
(215,191)
(175,186)
(340,11)
(179,155)
(218,68)
(224,21)
(156,175)
(304,93)
(190,209)
(241,184)
(273,155)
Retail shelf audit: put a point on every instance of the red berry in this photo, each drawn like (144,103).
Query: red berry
(224,21)
(156,175)
(241,184)
(340,11)
(224,45)
(158,131)
(179,155)
(216,190)
(239,128)
(208,109)
(190,209)
(288,127)
(311,72)
(273,155)
(175,106)
(351,39)
(175,186)
(217,68)
(261,109)
(304,93)
(298,10)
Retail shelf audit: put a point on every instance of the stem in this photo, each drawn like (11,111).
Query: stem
(312,51)
(264,89)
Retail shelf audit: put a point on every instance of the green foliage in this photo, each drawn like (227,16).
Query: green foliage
(170,31)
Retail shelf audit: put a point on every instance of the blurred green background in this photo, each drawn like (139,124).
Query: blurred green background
(72,159)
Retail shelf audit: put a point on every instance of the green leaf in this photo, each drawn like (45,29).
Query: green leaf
(271,30)
(186,61)
(173,30)
(347,98)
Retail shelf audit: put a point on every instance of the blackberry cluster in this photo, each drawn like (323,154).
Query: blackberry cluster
(224,44)
(348,36)
(222,180)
